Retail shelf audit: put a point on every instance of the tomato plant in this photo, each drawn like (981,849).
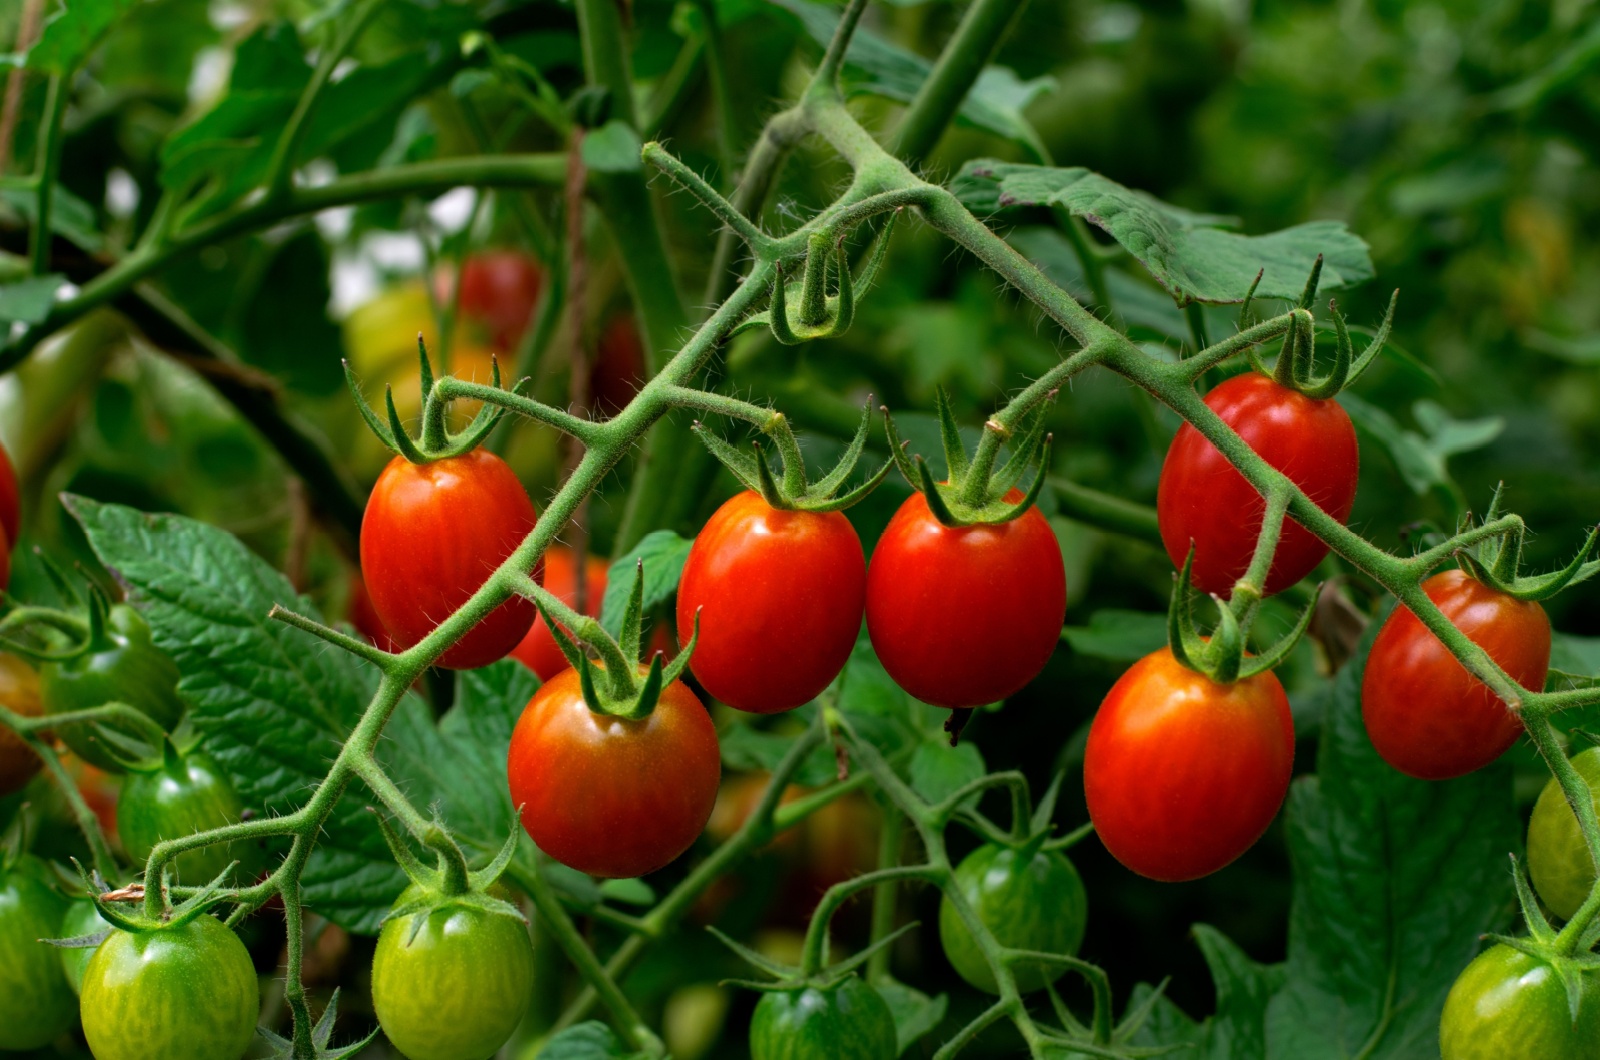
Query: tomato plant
(1029,900)
(1510,1003)
(538,651)
(1558,861)
(498,290)
(1427,716)
(19,692)
(82,919)
(845,1021)
(36,1004)
(186,793)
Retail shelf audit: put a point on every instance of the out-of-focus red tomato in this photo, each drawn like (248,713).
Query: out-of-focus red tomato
(499,289)
(538,650)
(619,368)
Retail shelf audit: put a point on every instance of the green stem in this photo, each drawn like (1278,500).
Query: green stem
(814,955)
(605,54)
(985,24)
(891,841)
(48,165)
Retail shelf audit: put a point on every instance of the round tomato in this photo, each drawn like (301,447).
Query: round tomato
(1183,774)
(82,919)
(1508,1003)
(187,794)
(538,651)
(1203,500)
(453,987)
(19,693)
(1427,716)
(1036,903)
(779,595)
(36,1002)
(963,616)
(432,535)
(612,796)
(129,669)
(173,993)
(499,289)
(1558,860)
(847,1021)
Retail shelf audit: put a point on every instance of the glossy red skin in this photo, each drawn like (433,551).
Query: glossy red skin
(1203,499)
(10,504)
(538,650)
(609,796)
(1427,716)
(1183,774)
(780,596)
(499,289)
(965,616)
(431,536)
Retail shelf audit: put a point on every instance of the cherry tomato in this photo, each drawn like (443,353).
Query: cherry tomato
(965,616)
(1427,716)
(432,535)
(847,1021)
(619,366)
(779,595)
(453,987)
(82,919)
(1558,860)
(1035,903)
(19,693)
(173,993)
(1183,774)
(1510,1004)
(499,289)
(611,796)
(185,795)
(128,669)
(538,651)
(10,503)
(36,1002)
(1204,500)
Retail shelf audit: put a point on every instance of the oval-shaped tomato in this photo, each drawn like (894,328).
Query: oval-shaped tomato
(780,596)
(1427,716)
(1558,860)
(129,669)
(538,651)
(431,536)
(185,795)
(612,796)
(453,987)
(82,919)
(1202,498)
(848,1021)
(965,616)
(1510,1004)
(499,289)
(174,993)
(1036,903)
(19,693)
(36,1002)
(1183,774)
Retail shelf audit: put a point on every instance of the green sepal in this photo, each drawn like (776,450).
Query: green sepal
(846,968)
(436,442)
(488,415)
(80,942)
(1497,563)
(759,960)
(766,485)
(880,251)
(400,850)
(1309,295)
(830,483)
(433,425)
(1375,347)
(930,490)
(897,449)
(569,650)
(955,450)
(741,466)
(321,1034)
(680,662)
(397,430)
(1024,450)
(946,502)
(1280,650)
(1039,823)
(1286,371)
(778,311)
(792,492)
(1538,926)
(1336,378)
(633,615)
(844,312)
(377,426)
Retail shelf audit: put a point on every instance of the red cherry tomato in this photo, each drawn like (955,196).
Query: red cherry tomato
(965,616)
(538,650)
(10,506)
(611,796)
(1183,774)
(619,368)
(1204,500)
(779,594)
(499,289)
(431,536)
(1427,716)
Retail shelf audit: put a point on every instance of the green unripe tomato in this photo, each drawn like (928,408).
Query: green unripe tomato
(848,1021)
(36,1004)
(458,988)
(185,795)
(174,993)
(129,669)
(1557,859)
(1508,1004)
(82,919)
(1037,904)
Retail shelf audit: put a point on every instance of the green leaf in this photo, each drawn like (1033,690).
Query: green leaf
(1573,654)
(613,148)
(915,1013)
(629,892)
(1422,458)
(1243,990)
(1119,635)
(70,216)
(29,300)
(1395,879)
(939,770)
(1133,298)
(873,66)
(1191,255)
(664,553)
(747,748)
(587,1041)
(72,32)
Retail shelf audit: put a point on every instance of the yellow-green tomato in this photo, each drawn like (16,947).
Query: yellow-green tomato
(36,1004)
(188,793)
(1027,903)
(1558,861)
(453,987)
(1508,1004)
(174,993)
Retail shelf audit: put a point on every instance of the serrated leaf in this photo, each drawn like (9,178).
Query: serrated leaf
(915,1013)
(939,770)
(1191,255)
(1119,635)
(29,300)
(664,553)
(1422,459)
(587,1041)
(1244,989)
(613,148)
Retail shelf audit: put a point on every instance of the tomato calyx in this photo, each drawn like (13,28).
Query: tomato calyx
(974,491)
(786,978)
(1295,364)
(321,1034)
(1497,561)
(1221,655)
(171,917)
(450,883)
(793,490)
(436,442)
(1543,943)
